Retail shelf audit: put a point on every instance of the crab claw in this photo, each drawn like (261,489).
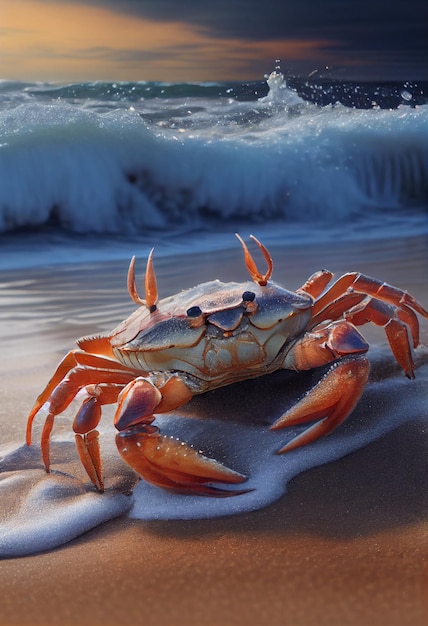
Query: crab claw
(173,464)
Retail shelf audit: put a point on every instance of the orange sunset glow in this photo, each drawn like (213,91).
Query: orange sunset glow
(167,40)
(46,41)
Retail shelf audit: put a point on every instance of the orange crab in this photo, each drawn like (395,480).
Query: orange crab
(213,335)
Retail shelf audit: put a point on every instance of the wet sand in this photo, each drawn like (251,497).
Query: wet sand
(346,545)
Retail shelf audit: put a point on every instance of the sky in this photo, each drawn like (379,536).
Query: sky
(208,40)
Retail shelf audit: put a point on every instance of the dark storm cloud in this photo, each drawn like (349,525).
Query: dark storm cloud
(353,29)
(276,19)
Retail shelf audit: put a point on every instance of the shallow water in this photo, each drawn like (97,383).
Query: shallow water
(44,309)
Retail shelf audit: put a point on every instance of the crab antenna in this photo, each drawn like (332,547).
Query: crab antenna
(261,279)
(132,289)
(150,284)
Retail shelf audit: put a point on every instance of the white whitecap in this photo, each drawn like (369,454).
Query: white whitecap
(325,165)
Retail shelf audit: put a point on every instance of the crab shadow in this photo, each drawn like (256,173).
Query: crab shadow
(377,480)
(381,486)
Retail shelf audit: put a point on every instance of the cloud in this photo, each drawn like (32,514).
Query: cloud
(356,21)
(349,29)
(222,39)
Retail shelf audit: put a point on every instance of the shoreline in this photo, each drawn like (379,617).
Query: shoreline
(22,250)
(346,544)
(321,555)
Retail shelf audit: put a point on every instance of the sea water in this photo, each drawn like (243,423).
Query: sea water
(144,159)
(88,171)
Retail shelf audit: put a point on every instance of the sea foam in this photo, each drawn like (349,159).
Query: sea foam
(194,163)
(41,512)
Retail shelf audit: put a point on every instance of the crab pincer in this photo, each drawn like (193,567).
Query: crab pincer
(173,464)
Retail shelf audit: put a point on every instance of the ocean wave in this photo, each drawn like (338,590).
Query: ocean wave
(194,162)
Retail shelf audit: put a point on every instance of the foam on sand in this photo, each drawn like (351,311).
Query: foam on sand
(41,512)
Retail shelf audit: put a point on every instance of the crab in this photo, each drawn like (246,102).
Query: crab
(213,335)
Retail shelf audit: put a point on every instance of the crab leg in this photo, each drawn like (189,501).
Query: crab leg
(316,283)
(88,416)
(361,299)
(88,448)
(68,363)
(380,313)
(333,310)
(396,321)
(85,423)
(369,286)
(78,378)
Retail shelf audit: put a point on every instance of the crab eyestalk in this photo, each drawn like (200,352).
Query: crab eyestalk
(255,274)
(150,284)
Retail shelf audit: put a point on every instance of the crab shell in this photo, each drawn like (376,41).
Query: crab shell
(217,332)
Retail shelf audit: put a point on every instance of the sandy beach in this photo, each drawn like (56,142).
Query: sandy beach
(346,545)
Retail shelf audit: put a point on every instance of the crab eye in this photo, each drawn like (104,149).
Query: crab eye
(194,311)
(249,302)
(195,317)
